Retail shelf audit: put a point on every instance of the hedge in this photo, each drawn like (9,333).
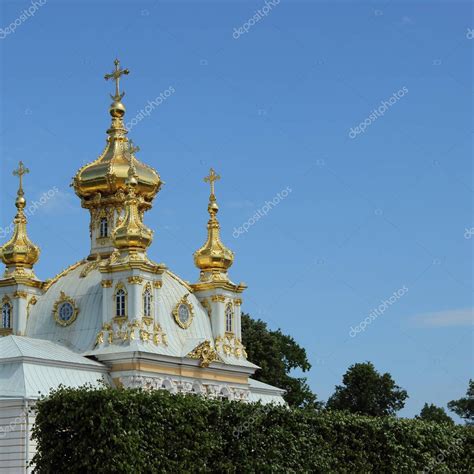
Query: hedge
(132,431)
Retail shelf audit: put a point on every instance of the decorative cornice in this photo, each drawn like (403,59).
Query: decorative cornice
(19,280)
(129,264)
(219,285)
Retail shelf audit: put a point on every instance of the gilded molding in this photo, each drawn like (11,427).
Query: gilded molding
(106,283)
(48,283)
(20,294)
(119,332)
(89,266)
(33,300)
(135,280)
(206,353)
(219,285)
(6,299)
(218,298)
(230,346)
(180,280)
(237,301)
(157,284)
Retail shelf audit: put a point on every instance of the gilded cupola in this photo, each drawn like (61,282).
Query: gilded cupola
(19,254)
(107,175)
(213,258)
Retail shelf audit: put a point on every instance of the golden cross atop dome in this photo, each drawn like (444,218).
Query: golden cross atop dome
(20,172)
(132,148)
(211,179)
(116,75)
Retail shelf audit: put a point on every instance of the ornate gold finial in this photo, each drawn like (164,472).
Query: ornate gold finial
(213,258)
(116,75)
(19,254)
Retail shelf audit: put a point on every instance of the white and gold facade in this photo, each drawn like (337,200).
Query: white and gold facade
(143,325)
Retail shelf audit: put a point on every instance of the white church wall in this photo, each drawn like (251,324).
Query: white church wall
(16,447)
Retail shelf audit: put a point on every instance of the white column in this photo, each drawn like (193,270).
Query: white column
(108,304)
(19,313)
(238,320)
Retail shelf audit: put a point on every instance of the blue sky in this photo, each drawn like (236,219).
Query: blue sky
(271,109)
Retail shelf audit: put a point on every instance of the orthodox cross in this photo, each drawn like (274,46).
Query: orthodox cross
(20,172)
(116,75)
(132,148)
(211,179)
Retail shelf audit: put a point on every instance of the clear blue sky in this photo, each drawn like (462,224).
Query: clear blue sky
(273,109)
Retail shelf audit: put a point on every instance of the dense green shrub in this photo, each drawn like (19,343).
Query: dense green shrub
(130,431)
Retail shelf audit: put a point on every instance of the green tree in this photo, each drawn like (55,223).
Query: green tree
(277,355)
(464,407)
(433,413)
(367,392)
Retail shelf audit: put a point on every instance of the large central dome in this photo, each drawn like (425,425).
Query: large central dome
(108,174)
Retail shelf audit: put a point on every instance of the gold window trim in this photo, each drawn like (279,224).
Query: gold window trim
(120,286)
(148,319)
(183,301)
(6,331)
(232,322)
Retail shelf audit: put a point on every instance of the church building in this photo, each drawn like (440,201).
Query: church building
(116,317)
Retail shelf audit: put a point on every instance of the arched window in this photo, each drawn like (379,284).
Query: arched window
(120,300)
(6,315)
(103,227)
(147,303)
(229,318)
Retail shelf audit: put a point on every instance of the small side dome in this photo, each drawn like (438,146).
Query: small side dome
(213,256)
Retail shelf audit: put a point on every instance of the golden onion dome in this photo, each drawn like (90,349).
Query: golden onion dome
(213,256)
(19,252)
(108,174)
(131,233)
